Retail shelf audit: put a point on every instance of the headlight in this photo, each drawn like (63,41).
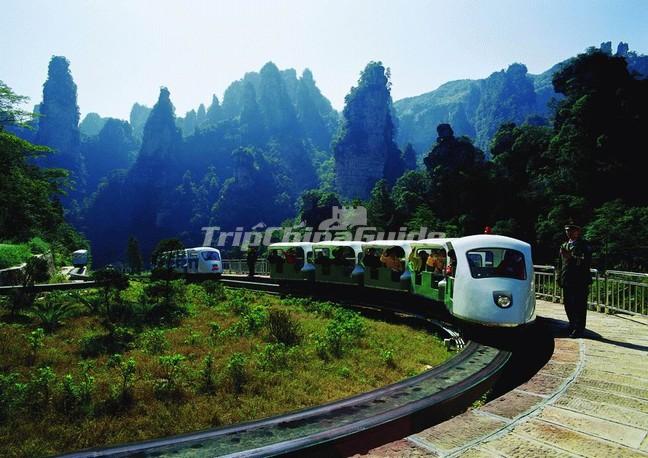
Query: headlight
(503,299)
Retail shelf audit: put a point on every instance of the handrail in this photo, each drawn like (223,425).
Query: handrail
(609,291)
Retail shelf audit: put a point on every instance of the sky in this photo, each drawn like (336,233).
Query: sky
(122,51)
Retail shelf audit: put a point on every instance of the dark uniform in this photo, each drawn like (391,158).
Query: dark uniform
(574,277)
(252,257)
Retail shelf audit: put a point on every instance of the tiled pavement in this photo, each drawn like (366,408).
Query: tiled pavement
(590,399)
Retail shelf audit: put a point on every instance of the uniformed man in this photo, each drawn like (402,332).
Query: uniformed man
(252,256)
(574,277)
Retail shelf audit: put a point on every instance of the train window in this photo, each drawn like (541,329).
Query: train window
(496,262)
(210,255)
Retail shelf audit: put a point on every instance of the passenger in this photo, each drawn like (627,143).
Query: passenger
(451,269)
(321,259)
(338,257)
(512,265)
(391,261)
(291,256)
(423,256)
(274,258)
(435,262)
(371,260)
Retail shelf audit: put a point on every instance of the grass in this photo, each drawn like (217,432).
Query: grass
(219,365)
(13,255)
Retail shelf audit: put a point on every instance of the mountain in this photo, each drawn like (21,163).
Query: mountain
(476,108)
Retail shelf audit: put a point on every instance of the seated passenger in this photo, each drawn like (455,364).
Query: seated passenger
(423,256)
(371,260)
(338,257)
(274,258)
(435,262)
(391,261)
(322,259)
(291,257)
(512,265)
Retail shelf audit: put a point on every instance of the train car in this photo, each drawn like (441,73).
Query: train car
(338,262)
(483,279)
(384,263)
(493,281)
(80,258)
(193,261)
(292,261)
(428,263)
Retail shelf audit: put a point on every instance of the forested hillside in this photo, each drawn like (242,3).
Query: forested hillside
(476,108)
(516,151)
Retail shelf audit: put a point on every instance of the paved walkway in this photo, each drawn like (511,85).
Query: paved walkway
(590,399)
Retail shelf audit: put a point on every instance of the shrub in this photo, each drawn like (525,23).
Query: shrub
(344,329)
(38,391)
(38,246)
(215,290)
(126,368)
(283,328)
(92,344)
(344,372)
(207,383)
(76,396)
(154,341)
(214,331)
(249,323)
(273,356)
(35,341)
(193,338)
(170,384)
(13,255)
(167,301)
(12,394)
(387,357)
(52,310)
(236,372)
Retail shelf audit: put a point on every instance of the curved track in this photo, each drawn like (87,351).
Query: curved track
(349,425)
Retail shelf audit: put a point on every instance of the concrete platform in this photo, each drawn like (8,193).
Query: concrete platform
(590,399)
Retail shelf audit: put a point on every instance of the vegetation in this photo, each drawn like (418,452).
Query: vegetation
(110,373)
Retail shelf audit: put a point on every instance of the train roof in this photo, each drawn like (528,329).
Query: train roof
(489,241)
(290,244)
(201,248)
(357,246)
(428,242)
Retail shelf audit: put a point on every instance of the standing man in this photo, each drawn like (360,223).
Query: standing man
(574,277)
(252,257)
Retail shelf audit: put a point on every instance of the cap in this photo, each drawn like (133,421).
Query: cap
(572,226)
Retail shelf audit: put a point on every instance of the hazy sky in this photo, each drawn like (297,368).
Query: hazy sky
(121,52)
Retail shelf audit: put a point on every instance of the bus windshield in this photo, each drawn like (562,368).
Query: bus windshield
(496,262)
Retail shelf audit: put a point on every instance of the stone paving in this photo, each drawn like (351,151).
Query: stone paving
(590,399)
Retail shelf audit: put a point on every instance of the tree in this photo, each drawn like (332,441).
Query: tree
(133,255)
(380,208)
(163,245)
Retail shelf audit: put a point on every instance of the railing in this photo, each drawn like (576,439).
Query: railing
(240,267)
(611,290)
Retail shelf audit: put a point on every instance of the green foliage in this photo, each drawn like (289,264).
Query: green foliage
(13,255)
(274,356)
(126,369)
(215,290)
(133,255)
(345,329)
(163,245)
(35,339)
(387,357)
(154,341)
(38,246)
(236,371)
(52,309)
(39,389)
(283,328)
(166,299)
(170,384)
(76,395)
(207,382)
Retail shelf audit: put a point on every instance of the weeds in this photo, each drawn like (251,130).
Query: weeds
(35,340)
(236,371)
(283,328)
(126,368)
(207,383)
(169,386)
(154,342)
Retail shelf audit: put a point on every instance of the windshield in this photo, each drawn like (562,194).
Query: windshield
(496,262)
(210,255)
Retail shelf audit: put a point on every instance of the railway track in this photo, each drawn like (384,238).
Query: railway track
(346,426)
